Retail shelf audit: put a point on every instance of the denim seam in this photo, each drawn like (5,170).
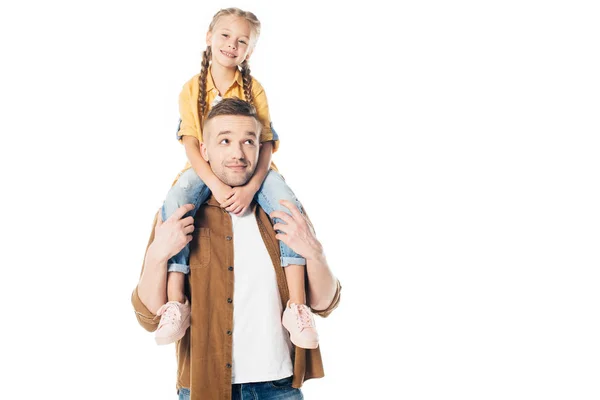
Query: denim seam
(185,269)
(285,261)
(286,386)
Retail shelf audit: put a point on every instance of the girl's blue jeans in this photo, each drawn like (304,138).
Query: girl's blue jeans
(189,189)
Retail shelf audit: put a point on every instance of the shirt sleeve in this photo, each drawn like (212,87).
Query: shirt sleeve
(187,113)
(262,108)
(334,303)
(145,317)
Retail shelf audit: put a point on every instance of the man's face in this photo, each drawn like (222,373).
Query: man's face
(231,145)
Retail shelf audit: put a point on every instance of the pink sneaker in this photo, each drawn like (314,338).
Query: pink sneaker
(174,321)
(299,321)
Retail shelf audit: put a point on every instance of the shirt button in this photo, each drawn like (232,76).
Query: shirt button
(228,238)
(230,268)
(228,365)
(229,300)
(229,333)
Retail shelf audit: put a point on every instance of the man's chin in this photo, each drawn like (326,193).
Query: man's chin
(234,181)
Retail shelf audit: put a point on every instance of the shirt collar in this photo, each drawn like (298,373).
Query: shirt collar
(210,84)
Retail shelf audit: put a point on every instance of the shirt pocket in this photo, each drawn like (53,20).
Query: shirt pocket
(200,254)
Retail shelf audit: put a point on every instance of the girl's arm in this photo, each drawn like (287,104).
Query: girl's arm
(220,190)
(263,166)
(242,196)
(268,141)
(188,134)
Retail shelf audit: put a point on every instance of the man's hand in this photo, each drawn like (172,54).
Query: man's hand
(239,202)
(172,235)
(297,232)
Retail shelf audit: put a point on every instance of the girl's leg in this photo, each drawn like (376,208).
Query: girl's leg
(175,286)
(189,189)
(271,191)
(297,317)
(294,275)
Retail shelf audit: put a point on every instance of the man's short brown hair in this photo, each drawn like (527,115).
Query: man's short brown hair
(233,106)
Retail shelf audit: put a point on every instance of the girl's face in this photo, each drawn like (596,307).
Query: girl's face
(230,41)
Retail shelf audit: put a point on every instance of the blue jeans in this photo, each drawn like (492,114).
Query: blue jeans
(189,189)
(273,390)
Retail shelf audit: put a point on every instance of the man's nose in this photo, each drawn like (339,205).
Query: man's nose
(237,152)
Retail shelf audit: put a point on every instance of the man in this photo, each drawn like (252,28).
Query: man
(236,345)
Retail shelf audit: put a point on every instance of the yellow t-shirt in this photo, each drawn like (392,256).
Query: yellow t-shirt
(188,107)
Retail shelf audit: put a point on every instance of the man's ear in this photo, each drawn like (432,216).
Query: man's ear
(204,151)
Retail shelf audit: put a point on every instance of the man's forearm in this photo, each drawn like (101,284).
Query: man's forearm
(322,284)
(152,287)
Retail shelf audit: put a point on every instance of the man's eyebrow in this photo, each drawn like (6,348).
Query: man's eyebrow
(248,133)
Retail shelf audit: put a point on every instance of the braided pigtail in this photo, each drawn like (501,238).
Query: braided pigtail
(247,78)
(202,84)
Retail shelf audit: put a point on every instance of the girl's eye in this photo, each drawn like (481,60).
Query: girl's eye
(243,42)
(225,35)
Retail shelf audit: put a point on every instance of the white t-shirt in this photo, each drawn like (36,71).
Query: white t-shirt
(261,345)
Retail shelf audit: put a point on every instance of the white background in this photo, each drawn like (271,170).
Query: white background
(447,153)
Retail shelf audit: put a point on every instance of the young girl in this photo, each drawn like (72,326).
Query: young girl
(230,40)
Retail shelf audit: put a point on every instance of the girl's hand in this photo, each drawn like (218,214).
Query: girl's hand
(297,232)
(172,235)
(239,202)
(222,192)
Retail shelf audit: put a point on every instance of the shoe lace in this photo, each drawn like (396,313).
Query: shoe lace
(170,313)
(304,317)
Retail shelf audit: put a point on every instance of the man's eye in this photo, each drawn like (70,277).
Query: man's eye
(250,141)
(224,141)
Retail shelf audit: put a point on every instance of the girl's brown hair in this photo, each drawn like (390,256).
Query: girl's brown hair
(245,68)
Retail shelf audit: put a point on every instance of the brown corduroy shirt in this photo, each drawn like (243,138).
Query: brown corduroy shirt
(204,354)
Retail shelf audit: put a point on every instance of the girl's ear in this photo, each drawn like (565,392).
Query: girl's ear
(208,38)
(248,55)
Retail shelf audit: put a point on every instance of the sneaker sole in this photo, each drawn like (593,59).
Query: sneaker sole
(304,345)
(174,337)
(309,345)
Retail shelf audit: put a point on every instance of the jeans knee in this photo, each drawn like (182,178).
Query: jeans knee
(184,182)
(189,179)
